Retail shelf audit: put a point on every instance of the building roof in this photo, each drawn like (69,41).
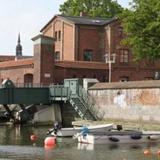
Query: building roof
(11,57)
(126,85)
(16,63)
(81,64)
(87,20)
(6,58)
(82,20)
(42,36)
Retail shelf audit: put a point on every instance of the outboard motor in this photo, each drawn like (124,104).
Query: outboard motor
(57,126)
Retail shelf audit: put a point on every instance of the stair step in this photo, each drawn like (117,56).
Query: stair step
(81,109)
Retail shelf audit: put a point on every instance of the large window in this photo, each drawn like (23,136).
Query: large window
(57,56)
(124,56)
(88,55)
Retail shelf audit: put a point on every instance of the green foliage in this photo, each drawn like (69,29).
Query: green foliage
(92,8)
(142,26)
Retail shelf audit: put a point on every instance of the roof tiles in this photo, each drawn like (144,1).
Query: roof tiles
(16,63)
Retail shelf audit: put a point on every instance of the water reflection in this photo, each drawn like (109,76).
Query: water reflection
(15,143)
(21,152)
(82,146)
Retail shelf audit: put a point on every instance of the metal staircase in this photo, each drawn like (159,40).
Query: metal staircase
(85,105)
(81,108)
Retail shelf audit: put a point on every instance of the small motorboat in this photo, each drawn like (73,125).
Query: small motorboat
(69,132)
(118,136)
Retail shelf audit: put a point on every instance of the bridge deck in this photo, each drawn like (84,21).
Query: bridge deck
(33,95)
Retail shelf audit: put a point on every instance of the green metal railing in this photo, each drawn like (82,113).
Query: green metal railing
(59,92)
(82,102)
(90,103)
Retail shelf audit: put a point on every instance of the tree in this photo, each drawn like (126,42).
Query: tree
(92,8)
(142,26)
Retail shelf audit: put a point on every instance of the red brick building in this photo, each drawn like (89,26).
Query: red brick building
(77,47)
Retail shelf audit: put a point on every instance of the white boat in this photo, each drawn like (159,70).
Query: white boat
(69,132)
(113,137)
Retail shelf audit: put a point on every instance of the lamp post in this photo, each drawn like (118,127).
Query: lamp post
(110,58)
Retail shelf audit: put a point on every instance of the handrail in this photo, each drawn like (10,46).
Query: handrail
(90,103)
(59,91)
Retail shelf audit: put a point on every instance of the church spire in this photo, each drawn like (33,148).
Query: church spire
(19,47)
(19,39)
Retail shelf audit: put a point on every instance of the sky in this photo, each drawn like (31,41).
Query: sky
(26,17)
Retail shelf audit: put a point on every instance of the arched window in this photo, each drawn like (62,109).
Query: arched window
(28,80)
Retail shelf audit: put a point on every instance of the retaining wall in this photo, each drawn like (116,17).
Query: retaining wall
(127,101)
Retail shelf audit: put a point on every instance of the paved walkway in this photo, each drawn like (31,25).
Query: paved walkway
(138,125)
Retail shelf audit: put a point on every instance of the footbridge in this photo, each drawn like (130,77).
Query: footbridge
(72,91)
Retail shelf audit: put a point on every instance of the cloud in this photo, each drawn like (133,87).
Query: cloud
(26,17)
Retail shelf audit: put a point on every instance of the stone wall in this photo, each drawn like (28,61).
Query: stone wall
(47,114)
(141,104)
(68,114)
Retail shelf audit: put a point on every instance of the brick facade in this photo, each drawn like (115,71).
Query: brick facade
(43,59)
(91,38)
(17,71)
(79,35)
(75,47)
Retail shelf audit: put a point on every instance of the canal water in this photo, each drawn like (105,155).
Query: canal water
(15,144)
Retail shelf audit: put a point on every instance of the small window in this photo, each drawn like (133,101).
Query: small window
(59,35)
(124,79)
(88,55)
(55,36)
(124,56)
(57,56)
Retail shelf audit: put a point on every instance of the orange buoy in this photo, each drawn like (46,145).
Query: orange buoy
(50,141)
(158,152)
(147,152)
(33,137)
(47,147)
